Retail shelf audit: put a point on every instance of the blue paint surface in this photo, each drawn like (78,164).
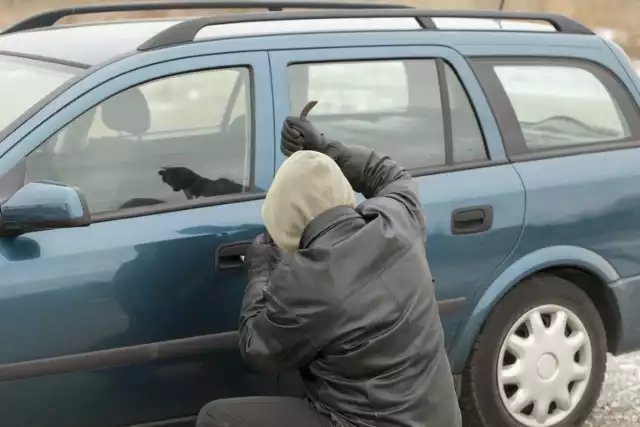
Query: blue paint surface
(153,278)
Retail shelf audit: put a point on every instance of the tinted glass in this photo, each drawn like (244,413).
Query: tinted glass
(562,105)
(394,107)
(114,152)
(24,82)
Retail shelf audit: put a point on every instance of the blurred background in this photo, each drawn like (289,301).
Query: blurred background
(614,19)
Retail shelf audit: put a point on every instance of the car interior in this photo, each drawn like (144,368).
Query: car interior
(120,170)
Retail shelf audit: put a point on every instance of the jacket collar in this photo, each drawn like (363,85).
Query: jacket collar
(325,222)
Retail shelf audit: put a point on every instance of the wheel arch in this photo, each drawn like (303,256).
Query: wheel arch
(584,268)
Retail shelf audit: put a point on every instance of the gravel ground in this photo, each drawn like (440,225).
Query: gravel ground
(619,403)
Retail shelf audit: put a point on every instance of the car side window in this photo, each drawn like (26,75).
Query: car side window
(114,152)
(563,105)
(393,106)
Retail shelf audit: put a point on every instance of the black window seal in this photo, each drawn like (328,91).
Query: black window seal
(190,204)
(441,65)
(501,108)
(446,112)
(514,141)
(474,108)
(576,150)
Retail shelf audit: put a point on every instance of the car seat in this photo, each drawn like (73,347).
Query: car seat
(111,172)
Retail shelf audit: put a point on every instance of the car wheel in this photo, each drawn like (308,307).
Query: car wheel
(539,360)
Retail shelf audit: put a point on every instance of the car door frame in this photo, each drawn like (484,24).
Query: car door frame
(281,59)
(89,92)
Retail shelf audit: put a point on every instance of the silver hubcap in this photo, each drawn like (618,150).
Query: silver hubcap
(544,366)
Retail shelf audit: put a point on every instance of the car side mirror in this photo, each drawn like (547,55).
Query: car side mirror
(41,206)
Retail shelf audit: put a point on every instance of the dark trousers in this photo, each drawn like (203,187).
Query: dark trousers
(261,412)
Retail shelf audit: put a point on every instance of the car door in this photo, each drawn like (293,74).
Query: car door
(422,106)
(133,319)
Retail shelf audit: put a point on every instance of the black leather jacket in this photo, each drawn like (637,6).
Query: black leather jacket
(354,309)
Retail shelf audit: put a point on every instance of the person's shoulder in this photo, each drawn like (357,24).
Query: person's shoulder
(387,219)
(397,198)
(398,209)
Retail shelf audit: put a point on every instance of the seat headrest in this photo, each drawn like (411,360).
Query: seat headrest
(127,112)
(237,126)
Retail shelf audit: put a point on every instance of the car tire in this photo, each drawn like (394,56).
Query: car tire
(515,362)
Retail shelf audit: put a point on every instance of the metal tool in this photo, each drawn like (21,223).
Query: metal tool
(307,109)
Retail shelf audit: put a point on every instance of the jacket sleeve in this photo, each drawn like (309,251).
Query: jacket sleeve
(205,187)
(375,175)
(273,338)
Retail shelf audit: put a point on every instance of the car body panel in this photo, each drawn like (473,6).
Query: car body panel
(583,210)
(155,283)
(79,293)
(505,279)
(627,294)
(69,290)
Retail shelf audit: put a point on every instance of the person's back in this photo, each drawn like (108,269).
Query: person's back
(383,363)
(347,298)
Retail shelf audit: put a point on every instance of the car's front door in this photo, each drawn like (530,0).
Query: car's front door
(422,106)
(132,320)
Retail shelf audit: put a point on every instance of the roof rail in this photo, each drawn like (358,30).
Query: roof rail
(49,18)
(186,31)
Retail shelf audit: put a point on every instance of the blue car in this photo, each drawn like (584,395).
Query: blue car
(119,297)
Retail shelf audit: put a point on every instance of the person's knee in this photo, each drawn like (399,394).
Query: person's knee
(212,415)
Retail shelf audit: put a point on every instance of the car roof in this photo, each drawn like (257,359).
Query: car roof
(90,44)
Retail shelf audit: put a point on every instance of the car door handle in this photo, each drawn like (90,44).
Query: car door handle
(231,255)
(471,220)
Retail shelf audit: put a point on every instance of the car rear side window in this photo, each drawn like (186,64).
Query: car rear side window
(563,104)
(396,107)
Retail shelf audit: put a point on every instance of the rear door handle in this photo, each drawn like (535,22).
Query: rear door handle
(231,255)
(472,219)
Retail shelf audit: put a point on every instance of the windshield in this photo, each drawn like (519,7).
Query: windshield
(24,82)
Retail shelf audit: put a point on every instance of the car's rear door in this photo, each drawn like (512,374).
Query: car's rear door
(423,106)
(133,319)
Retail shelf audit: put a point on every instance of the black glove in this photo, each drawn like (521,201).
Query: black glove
(262,255)
(179,178)
(300,134)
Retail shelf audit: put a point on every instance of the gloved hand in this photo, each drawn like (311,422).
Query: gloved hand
(262,255)
(300,134)
(178,178)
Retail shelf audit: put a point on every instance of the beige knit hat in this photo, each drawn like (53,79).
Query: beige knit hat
(307,184)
